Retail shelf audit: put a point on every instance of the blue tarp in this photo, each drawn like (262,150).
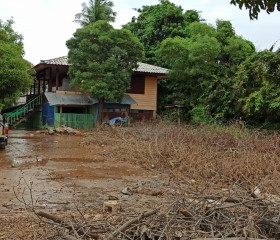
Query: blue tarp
(113,121)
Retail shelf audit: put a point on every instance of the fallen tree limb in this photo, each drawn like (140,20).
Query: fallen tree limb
(129,223)
(65,225)
(50,217)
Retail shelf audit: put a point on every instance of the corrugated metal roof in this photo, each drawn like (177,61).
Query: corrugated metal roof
(57,61)
(142,67)
(79,99)
(148,68)
(127,100)
(69,99)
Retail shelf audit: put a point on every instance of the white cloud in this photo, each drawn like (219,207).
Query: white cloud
(47,24)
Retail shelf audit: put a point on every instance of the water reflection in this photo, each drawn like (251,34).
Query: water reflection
(21,143)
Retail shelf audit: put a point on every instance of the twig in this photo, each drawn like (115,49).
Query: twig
(130,222)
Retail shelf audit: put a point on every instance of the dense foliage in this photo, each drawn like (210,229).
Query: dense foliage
(202,67)
(102,59)
(158,22)
(214,74)
(15,72)
(257,87)
(256,6)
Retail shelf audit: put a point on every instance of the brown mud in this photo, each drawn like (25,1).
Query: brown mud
(183,172)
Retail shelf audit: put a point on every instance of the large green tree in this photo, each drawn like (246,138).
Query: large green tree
(257,87)
(102,59)
(158,22)
(203,67)
(94,11)
(15,71)
(255,6)
(192,62)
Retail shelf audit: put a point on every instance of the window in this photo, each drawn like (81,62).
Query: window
(137,85)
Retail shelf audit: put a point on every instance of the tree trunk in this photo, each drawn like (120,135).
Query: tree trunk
(100,111)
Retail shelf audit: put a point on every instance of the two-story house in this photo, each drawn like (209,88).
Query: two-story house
(62,103)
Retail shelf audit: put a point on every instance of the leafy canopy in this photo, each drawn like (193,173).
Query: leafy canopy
(255,6)
(257,87)
(202,67)
(102,60)
(158,22)
(15,72)
(94,11)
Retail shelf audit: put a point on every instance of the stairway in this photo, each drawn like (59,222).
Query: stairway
(21,113)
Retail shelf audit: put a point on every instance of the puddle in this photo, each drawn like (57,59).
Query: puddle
(53,168)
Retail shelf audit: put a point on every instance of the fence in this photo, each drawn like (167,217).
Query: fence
(74,120)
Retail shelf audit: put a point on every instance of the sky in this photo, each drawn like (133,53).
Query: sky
(47,24)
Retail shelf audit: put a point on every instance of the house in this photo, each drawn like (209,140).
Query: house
(62,103)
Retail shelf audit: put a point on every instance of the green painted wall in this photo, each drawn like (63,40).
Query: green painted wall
(74,120)
(33,122)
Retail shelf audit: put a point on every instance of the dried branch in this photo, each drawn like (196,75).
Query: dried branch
(129,223)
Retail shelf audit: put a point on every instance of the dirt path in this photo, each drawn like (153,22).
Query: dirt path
(58,167)
(60,173)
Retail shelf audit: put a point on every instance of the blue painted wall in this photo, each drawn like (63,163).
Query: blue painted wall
(48,115)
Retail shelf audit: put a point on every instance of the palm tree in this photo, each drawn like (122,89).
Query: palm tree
(94,11)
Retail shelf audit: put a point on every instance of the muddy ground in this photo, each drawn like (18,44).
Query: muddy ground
(61,173)
(195,182)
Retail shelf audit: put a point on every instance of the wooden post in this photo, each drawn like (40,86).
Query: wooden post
(57,79)
(60,112)
(44,83)
(50,81)
(39,86)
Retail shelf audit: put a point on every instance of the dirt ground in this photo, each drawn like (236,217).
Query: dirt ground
(165,182)
(60,173)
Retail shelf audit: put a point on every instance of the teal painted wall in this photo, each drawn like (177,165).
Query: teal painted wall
(74,120)
(32,123)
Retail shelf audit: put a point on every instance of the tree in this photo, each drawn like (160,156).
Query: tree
(15,72)
(158,22)
(256,6)
(235,49)
(102,59)
(94,11)
(203,66)
(257,87)
(192,62)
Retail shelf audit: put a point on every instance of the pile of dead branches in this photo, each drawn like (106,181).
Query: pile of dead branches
(197,152)
(208,213)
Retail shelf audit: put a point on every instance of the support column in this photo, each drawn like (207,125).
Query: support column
(50,81)
(60,113)
(57,78)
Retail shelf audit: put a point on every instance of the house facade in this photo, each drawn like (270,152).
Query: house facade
(63,104)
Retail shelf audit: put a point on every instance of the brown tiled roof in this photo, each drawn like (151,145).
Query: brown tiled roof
(142,67)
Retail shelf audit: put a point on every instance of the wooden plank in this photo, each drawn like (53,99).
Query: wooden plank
(148,100)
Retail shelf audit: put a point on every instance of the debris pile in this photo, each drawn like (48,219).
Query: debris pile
(197,214)
(64,130)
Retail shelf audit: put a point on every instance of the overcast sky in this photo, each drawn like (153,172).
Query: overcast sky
(47,24)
